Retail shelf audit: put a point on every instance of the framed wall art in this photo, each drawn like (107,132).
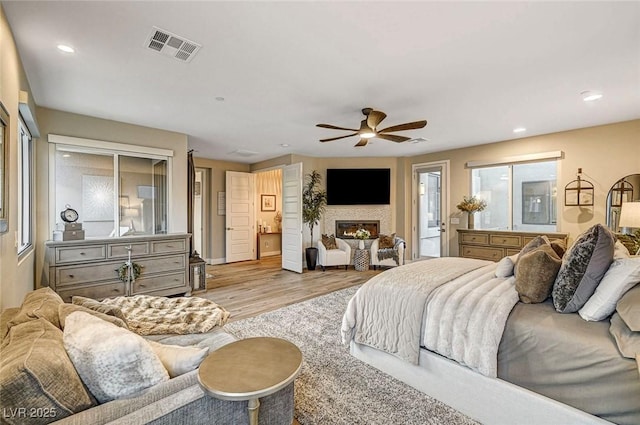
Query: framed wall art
(267,202)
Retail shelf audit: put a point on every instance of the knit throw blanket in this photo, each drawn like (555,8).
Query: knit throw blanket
(385,253)
(149,315)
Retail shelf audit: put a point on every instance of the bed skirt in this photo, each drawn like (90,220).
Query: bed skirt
(490,401)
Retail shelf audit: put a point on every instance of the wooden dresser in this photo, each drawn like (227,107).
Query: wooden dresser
(493,244)
(89,268)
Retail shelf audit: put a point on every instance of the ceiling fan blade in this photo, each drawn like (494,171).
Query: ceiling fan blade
(362,142)
(334,127)
(407,126)
(336,138)
(393,137)
(374,118)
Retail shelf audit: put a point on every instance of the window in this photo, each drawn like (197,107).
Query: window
(519,196)
(116,193)
(25,187)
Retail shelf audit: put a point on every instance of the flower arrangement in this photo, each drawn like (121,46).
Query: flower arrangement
(363,234)
(472,204)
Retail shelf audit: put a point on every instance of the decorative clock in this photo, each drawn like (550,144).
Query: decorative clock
(69,215)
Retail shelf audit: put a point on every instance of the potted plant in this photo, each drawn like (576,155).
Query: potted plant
(471,205)
(314,201)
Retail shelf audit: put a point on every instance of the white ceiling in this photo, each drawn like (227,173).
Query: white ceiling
(474,70)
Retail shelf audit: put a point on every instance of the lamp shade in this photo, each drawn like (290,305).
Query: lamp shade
(630,215)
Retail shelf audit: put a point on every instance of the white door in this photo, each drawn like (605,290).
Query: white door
(292,217)
(240,234)
(197,214)
(430,196)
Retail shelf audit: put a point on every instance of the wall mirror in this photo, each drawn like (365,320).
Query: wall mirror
(4,161)
(626,189)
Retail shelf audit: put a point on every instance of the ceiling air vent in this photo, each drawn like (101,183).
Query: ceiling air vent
(244,152)
(172,45)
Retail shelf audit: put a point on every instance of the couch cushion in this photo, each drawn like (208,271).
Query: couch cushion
(329,242)
(536,274)
(387,241)
(37,373)
(65,310)
(113,362)
(178,360)
(583,266)
(623,274)
(41,303)
(94,305)
(628,308)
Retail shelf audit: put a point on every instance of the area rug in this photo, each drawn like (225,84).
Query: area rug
(333,387)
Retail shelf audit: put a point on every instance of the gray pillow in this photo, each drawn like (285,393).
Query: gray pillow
(628,308)
(536,274)
(583,267)
(628,342)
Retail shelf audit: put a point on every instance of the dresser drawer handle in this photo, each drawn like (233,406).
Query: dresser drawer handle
(143,286)
(473,238)
(504,240)
(115,290)
(169,246)
(71,276)
(82,253)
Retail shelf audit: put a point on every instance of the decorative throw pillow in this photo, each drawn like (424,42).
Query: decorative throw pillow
(533,244)
(620,251)
(65,310)
(504,268)
(178,360)
(94,305)
(628,309)
(623,274)
(36,373)
(583,266)
(329,242)
(536,274)
(387,241)
(628,342)
(559,246)
(112,362)
(40,304)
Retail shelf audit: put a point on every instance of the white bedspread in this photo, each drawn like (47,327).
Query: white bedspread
(453,306)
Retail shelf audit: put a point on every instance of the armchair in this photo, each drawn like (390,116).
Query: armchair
(334,257)
(388,255)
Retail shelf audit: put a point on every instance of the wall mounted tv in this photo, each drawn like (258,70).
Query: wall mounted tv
(358,186)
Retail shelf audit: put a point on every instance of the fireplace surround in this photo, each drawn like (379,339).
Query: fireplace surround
(346,229)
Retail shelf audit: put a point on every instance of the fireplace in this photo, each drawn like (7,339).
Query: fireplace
(346,229)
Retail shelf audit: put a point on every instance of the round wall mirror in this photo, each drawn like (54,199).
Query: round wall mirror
(626,189)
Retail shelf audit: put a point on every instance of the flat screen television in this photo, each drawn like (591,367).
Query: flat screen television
(358,186)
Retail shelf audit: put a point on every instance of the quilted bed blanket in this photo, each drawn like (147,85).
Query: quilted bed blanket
(149,315)
(454,306)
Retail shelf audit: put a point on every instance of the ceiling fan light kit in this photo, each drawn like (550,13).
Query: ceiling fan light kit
(369,128)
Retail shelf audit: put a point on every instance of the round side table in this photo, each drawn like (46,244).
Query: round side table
(361,260)
(249,369)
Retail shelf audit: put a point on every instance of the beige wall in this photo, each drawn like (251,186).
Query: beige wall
(67,124)
(605,154)
(16,274)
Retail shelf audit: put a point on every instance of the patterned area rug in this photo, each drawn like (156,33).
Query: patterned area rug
(334,387)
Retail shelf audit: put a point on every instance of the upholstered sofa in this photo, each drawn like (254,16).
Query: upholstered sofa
(39,384)
(395,252)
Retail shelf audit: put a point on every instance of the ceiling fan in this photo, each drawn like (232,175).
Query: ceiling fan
(369,128)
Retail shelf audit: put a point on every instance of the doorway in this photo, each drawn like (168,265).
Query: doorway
(430,195)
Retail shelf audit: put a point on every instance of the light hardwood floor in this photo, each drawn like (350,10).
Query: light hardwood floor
(249,288)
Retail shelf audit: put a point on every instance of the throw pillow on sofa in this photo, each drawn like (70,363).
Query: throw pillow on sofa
(41,303)
(536,274)
(112,362)
(36,372)
(583,266)
(65,310)
(177,359)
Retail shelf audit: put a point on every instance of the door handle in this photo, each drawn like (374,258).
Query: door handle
(229,228)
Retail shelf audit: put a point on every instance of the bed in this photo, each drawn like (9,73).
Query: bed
(452,329)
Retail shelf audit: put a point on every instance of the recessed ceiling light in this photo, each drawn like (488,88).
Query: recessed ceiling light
(220,99)
(66,49)
(519,130)
(590,95)
(284,145)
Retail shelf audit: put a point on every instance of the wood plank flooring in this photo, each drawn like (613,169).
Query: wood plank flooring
(249,288)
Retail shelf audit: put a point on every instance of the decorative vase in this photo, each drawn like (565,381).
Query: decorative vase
(312,257)
(361,244)
(470,220)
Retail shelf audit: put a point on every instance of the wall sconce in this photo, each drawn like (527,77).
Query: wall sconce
(578,192)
